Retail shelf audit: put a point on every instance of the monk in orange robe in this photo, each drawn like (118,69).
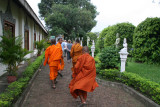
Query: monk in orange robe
(76,51)
(53,57)
(85,75)
(61,65)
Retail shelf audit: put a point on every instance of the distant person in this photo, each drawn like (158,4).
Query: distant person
(65,48)
(69,46)
(53,56)
(61,65)
(76,51)
(63,44)
(84,79)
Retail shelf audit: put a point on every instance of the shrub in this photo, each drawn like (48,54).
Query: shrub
(125,30)
(109,58)
(15,89)
(112,74)
(146,41)
(148,88)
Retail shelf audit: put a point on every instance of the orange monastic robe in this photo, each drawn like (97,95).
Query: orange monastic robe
(53,57)
(61,65)
(76,51)
(85,75)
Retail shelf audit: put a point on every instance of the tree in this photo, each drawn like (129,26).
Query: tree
(146,41)
(68,17)
(92,37)
(125,30)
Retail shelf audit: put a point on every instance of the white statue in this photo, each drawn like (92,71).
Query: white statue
(117,40)
(124,46)
(93,48)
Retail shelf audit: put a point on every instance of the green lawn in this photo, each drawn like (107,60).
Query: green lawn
(151,72)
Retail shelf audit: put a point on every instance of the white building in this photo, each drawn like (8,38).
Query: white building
(18,17)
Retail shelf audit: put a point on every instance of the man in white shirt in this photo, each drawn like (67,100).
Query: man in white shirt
(64,47)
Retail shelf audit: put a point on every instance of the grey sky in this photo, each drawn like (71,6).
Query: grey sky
(118,11)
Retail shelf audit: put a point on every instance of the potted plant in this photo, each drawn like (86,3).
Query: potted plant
(11,55)
(40,45)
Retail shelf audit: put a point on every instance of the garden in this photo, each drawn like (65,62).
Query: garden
(142,66)
(12,54)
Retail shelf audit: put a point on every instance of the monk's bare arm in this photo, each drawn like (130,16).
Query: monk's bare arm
(46,56)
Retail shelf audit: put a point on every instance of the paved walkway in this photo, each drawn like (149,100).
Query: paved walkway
(42,95)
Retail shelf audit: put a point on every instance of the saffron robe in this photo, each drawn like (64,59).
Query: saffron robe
(84,76)
(53,57)
(76,51)
(61,65)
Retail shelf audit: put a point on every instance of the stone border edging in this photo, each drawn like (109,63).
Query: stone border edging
(146,101)
(24,95)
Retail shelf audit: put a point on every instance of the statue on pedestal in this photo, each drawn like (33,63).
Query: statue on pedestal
(124,46)
(117,40)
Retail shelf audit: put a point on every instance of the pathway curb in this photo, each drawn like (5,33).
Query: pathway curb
(24,95)
(146,101)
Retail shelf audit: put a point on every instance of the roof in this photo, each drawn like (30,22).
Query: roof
(30,11)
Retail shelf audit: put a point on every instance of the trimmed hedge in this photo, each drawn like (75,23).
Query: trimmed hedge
(148,88)
(14,90)
(146,41)
(109,57)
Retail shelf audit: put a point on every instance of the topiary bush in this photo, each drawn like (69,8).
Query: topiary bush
(125,30)
(146,41)
(109,58)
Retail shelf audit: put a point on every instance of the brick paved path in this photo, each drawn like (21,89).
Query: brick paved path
(42,95)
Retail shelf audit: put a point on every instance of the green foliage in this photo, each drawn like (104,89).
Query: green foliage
(15,89)
(145,86)
(40,45)
(100,41)
(148,88)
(108,35)
(71,18)
(109,57)
(12,53)
(111,74)
(125,30)
(92,36)
(149,71)
(146,41)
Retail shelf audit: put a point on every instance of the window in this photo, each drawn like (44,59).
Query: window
(9,27)
(34,40)
(26,40)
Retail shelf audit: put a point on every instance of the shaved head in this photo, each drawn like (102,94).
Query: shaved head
(77,40)
(85,49)
(53,41)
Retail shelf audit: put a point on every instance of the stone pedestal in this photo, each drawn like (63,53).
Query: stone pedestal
(123,56)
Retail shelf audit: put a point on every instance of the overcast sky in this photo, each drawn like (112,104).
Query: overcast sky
(118,11)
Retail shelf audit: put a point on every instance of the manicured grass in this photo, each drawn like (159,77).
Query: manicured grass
(148,71)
